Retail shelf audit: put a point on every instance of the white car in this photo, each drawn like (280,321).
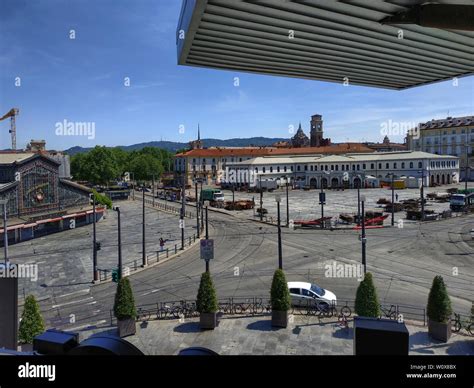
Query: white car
(305,294)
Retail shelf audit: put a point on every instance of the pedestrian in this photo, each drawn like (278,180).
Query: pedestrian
(162,244)
(396,197)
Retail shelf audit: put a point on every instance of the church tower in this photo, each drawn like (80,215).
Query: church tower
(196,144)
(316,133)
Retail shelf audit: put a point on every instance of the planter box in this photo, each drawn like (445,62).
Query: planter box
(279,318)
(126,327)
(439,331)
(208,321)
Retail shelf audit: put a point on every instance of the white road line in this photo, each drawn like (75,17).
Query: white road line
(72,302)
(87,325)
(150,292)
(83,291)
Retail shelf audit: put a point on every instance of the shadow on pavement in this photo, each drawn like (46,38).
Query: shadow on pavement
(188,327)
(264,325)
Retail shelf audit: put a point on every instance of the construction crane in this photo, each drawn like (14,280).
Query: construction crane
(12,113)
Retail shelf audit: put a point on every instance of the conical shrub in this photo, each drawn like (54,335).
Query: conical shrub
(279,294)
(367,302)
(206,298)
(124,304)
(439,305)
(31,323)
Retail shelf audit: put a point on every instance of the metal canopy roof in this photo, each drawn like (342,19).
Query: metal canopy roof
(333,41)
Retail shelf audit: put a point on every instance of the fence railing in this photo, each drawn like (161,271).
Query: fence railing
(261,305)
(165,207)
(153,257)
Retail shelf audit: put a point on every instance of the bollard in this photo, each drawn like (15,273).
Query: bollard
(188,243)
(167,252)
(175,249)
(157,256)
(135,265)
(194,238)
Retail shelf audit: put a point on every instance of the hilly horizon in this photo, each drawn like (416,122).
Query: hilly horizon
(175,146)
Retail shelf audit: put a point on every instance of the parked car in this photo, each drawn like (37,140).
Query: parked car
(304,294)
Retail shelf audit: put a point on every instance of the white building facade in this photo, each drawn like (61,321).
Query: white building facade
(351,170)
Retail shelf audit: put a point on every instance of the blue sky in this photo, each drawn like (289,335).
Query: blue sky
(82,80)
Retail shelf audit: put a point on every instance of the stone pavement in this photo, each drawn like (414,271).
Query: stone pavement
(255,336)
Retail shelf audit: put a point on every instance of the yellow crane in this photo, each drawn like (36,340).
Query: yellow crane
(12,113)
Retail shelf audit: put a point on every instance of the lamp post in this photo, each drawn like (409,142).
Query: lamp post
(322,201)
(358,205)
(280,256)
(363,238)
(422,196)
(466,169)
(4,202)
(393,199)
(202,207)
(261,197)
(287,204)
(117,209)
(94,241)
(206,204)
(183,210)
(197,207)
(144,263)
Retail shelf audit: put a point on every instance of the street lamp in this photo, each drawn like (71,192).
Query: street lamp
(4,202)
(117,209)
(144,263)
(322,201)
(287,203)
(94,241)
(197,206)
(422,195)
(206,204)
(280,256)
(393,198)
(363,238)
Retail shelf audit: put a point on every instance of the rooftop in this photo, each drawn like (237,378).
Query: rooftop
(336,41)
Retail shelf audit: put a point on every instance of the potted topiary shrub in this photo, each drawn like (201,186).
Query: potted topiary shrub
(280,299)
(31,323)
(124,308)
(439,311)
(206,303)
(367,302)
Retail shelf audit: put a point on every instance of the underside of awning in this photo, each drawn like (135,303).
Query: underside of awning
(327,40)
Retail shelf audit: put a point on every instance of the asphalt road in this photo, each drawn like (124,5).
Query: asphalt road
(403,261)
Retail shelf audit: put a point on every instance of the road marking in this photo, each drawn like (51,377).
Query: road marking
(72,302)
(150,292)
(83,291)
(88,325)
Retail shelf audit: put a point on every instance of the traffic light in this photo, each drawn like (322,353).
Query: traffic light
(115,275)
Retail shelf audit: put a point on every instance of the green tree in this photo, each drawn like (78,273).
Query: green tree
(31,323)
(77,167)
(102,199)
(144,166)
(206,298)
(124,304)
(367,303)
(279,294)
(439,305)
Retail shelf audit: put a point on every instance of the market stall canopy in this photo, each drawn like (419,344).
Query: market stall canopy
(356,42)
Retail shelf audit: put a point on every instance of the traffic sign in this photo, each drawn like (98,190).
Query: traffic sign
(207,249)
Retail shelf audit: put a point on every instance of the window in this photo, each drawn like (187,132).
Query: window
(380,166)
(271,169)
(411,164)
(298,168)
(363,166)
(342,167)
(395,165)
(295,291)
(312,167)
(256,170)
(291,168)
(358,167)
(420,164)
(372,166)
(325,168)
(387,166)
(306,292)
(284,168)
(337,167)
(204,161)
(403,164)
(263,169)
(316,168)
(278,169)
(306,167)
(353,167)
(332,169)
